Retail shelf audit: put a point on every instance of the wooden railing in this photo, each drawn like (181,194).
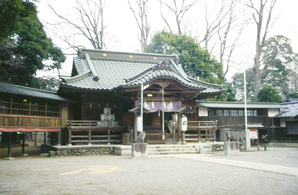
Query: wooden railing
(196,131)
(237,121)
(156,138)
(201,131)
(96,125)
(201,136)
(201,125)
(95,132)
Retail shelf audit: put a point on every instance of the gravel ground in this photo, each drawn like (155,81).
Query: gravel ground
(152,175)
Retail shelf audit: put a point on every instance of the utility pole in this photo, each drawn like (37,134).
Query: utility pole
(247,136)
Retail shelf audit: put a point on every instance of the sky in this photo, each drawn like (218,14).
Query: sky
(122,33)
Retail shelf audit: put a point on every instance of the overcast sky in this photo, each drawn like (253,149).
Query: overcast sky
(122,28)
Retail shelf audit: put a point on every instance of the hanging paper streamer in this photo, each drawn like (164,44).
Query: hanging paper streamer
(156,106)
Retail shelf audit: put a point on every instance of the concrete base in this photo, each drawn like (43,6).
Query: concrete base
(123,150)
(52,153)
(25,155)
(139,150)
(9,158)
(44,154)
(205,149)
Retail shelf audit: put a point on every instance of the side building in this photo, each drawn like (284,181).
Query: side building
(30,114)
(288,120)
(231,119)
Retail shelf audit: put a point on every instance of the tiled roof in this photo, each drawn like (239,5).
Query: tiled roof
(290,110)
(31,92)
(238,105)
(104,70)
(168,71)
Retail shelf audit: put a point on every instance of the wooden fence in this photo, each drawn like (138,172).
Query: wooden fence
(95,132)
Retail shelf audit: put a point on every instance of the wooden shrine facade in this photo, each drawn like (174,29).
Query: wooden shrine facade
(104,80)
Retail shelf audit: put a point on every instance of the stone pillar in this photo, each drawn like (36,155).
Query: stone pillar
(183,137)
(139,150)
(69,137)
(232,147)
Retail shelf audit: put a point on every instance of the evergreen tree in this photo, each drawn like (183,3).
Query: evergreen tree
(196,61)
(24,46)
(269,94)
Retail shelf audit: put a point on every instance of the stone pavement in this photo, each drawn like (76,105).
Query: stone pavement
(243,164)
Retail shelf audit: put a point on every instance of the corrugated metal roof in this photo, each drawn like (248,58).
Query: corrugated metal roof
(290,110)
(31,92)
(122,69)
(238,105)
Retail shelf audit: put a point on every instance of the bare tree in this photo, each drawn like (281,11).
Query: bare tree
(294,74)
(262,18)
(141,17)
(177,9)
(223,30)
(211,28)
(88,23)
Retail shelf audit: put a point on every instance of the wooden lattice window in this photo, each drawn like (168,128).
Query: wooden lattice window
(4,104)
(292,127)
(20,106)
(38,108)
(53,110)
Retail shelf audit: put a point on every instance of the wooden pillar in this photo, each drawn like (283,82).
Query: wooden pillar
(59,137)
(89,138)
(23,144)
(45,142)
(9,145)
(69,137)
(11,105)
(109,139)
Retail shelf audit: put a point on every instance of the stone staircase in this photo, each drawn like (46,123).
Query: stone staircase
(172,149)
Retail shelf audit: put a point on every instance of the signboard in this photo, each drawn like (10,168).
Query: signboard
(253,134)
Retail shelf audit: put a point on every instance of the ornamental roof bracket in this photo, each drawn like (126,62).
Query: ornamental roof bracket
(162,66)
(94,73)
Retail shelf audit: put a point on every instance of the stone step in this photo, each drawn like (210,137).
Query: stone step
(178,150)
(171,149)
(171,152)
(171,146)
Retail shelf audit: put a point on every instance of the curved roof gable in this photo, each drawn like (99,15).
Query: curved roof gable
(163,69)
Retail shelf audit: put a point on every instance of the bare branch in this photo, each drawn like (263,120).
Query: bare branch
(142,21)
(178,12)
(88,23)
